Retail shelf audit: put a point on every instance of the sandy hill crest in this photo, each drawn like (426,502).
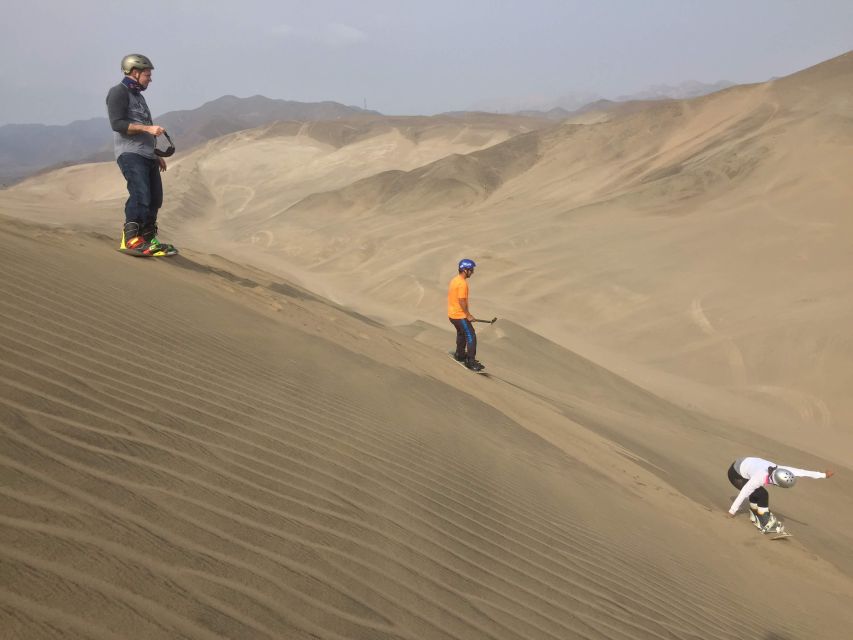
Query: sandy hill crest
(453,181)
(680,144)
(229,114)
(296,471)
(28,149)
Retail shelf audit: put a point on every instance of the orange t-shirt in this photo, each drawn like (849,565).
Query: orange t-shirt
(458,289)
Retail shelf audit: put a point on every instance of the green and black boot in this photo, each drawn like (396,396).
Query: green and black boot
(149,233)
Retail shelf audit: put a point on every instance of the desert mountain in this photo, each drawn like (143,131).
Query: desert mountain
(28,148)
(577,101)
(593,112)
(681,91)
(557,113)
(302,157)
(229,114)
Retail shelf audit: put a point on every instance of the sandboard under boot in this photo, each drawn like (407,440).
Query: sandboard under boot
(767,523)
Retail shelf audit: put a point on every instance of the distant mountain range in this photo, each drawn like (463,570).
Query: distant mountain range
(574,103)
(26,149)
(609,107)
(683,91)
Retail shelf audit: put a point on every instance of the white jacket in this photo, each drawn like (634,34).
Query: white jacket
(756,472)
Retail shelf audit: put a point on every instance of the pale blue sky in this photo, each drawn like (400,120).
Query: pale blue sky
(403,57)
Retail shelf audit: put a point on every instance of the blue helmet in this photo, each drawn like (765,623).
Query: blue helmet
(465,263)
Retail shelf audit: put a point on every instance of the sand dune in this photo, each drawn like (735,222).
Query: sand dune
(268,465)
(718,221)
(263,437)
(454,181)
(228,189)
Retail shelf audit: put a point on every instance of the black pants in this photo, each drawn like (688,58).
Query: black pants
(144,187)
(759,496)
(466,339)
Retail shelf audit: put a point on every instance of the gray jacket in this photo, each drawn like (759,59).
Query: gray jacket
(124,107)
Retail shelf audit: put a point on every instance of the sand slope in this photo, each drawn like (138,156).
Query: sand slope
(705,238)
(271,466)
(290,453)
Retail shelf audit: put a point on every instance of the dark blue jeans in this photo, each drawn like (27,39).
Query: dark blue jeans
(466,339)
(144,186)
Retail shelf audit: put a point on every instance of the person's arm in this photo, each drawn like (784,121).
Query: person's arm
(805,473)
(154,129)
(749,487)
(118,103)
(463,303)
(462,298)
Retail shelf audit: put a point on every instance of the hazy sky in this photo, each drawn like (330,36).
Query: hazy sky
(402,57)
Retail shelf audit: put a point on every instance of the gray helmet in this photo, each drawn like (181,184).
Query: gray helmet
(135,61)
(783,477)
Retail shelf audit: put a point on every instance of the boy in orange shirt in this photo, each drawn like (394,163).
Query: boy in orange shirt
(461,318)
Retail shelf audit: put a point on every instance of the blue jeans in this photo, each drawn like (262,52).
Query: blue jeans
(144,186)
(466,339)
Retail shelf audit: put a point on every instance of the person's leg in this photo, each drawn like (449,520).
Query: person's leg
(759,505)
(134,168)
(460,339)
(155,185)
(760,497)
(470,340)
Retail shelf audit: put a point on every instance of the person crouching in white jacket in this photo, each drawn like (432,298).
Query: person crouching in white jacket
(751,475)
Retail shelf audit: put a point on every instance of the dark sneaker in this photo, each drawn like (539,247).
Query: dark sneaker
(458,358)
(473,365)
